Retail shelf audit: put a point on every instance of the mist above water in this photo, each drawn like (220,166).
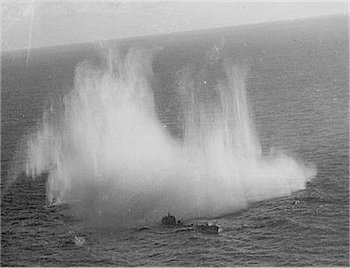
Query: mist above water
(108,154)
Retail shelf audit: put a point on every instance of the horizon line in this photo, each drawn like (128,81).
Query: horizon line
(164,34)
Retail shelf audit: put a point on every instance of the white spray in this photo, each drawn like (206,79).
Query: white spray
(110,156)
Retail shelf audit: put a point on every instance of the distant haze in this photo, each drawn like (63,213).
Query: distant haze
(41,24)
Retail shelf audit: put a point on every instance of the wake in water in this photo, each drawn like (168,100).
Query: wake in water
(108,154)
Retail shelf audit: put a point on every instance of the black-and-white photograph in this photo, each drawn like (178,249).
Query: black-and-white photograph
(177,133)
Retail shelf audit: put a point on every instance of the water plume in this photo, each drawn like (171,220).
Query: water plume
(108,154)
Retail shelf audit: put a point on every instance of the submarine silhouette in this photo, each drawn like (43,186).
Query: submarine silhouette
(170,221)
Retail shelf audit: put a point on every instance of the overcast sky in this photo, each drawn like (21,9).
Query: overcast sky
(40,24)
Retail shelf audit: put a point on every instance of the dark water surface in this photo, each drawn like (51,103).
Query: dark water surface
(298,90)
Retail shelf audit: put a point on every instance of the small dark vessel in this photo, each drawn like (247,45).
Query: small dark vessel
(170,221)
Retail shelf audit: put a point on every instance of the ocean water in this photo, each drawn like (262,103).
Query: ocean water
(298,91)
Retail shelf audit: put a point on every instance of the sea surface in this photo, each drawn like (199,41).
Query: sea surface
(298,90)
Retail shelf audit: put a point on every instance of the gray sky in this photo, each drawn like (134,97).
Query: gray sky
(47,23)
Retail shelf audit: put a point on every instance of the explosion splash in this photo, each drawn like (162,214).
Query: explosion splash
(108,154)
